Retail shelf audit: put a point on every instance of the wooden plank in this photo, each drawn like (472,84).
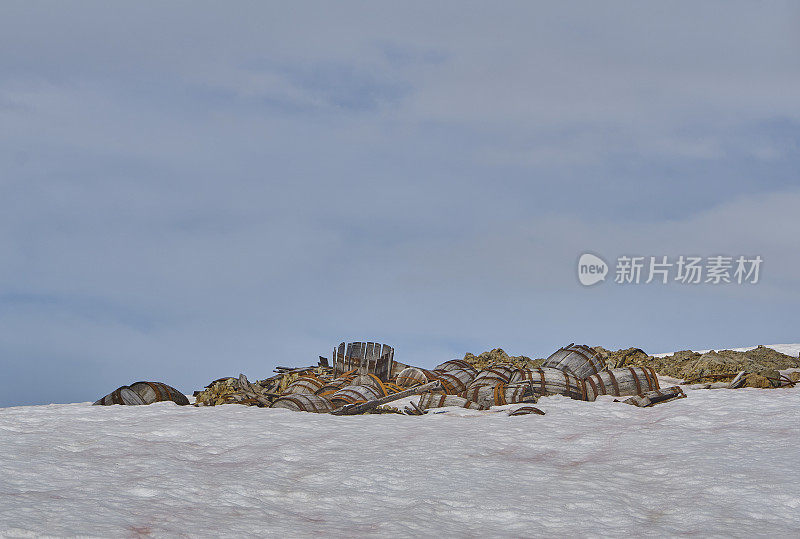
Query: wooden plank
(736,382)
(353,409)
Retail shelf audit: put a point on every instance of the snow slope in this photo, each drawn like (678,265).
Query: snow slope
(720,462)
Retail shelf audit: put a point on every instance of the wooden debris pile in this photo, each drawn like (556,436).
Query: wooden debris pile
(374,380)
(262,392)
(363,377)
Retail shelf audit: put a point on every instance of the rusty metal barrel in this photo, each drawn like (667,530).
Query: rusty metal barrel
(440,400)
(494,375)
(308,385)
(357,394)
(414,376)
(301,402)
(454,365)
(621,382)
(576,359)
(455,382)
(547,381)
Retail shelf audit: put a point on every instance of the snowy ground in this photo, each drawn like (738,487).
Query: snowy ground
(720,462)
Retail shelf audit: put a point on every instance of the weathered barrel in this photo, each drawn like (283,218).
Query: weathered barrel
(367,357)
(494,375)
(121,395)
(456,381)
(576,359)
(621,382)
(304,403)
(501,394)
(548,381)
(514,393)
(308,385)
(414,376)
(332,386)
(479,393)
(368,380)
(454,365)
(440,400)
(151,392)
(357,394)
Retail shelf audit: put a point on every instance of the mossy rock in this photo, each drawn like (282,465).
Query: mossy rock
(498,355)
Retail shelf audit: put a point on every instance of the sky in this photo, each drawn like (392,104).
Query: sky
(193,190)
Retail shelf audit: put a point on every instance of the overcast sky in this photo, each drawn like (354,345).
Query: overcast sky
(190,191)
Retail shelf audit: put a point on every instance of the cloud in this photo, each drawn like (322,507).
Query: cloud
(204,191)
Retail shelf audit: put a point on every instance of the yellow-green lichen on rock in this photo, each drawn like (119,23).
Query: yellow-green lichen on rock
(711,366)
(497,356)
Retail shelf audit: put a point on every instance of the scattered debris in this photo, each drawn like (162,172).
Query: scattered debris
(360,408)
(737,381)
(364,377)
(525,410)
(657,396)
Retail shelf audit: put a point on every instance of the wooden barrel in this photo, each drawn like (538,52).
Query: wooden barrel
(151,392)
(121,395)
(576,359)
(368,380)
(479,393)
(456,381)
(548,381)
(494,375)
(357,394)
(514,393)
(440,400)
(414,376)
(501,394)
(304,403)
(621,382)
(332,386)
(308,385)
(367,357)
(454,365)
